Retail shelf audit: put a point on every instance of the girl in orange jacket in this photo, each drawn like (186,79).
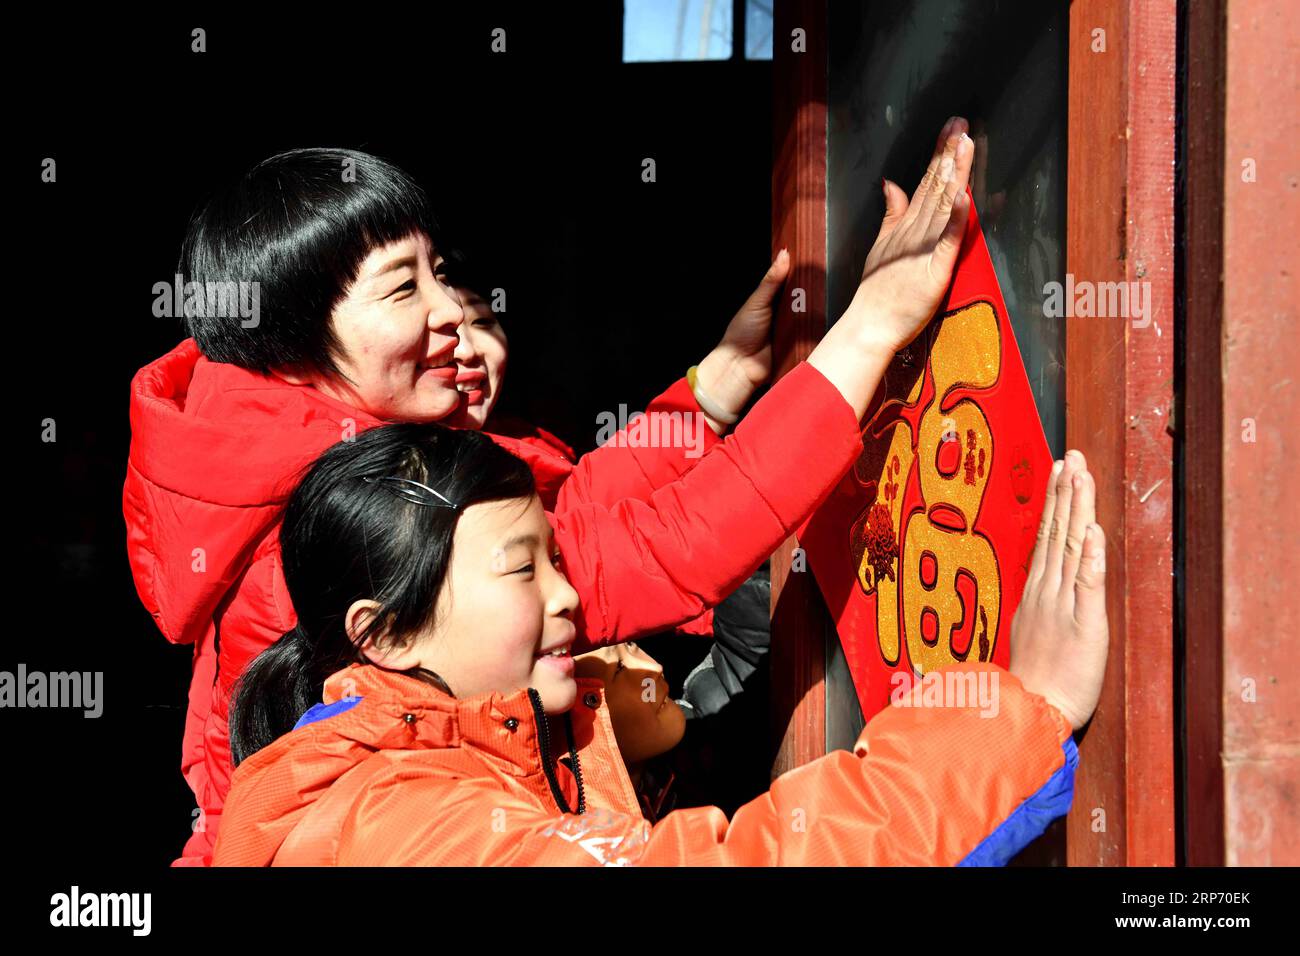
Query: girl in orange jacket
(425,711)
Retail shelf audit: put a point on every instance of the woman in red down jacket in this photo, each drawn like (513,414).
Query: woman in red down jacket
(358,327)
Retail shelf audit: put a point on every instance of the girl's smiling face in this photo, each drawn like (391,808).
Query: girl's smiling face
(398,329)
(504,611)
(480,361)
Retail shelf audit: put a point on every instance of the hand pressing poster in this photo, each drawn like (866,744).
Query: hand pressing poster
(922,551)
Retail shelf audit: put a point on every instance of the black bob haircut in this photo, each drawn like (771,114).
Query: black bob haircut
(299,225)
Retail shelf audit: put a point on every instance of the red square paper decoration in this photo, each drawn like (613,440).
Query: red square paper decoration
(923,549)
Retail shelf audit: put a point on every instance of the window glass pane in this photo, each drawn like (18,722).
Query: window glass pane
(758,29)
(896,72)
(665,30)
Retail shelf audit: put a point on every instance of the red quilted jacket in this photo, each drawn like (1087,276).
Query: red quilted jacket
(216,451)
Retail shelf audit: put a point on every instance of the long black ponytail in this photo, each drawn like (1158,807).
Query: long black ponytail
(347,537)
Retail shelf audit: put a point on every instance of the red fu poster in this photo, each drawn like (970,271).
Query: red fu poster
(923,549)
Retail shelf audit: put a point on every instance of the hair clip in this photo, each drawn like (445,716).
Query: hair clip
(409,493)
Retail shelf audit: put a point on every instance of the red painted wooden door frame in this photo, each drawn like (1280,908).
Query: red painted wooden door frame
(800,620)
(1119,397)
(1242,212)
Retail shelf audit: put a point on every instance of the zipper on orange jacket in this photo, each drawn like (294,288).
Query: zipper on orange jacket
(544,741)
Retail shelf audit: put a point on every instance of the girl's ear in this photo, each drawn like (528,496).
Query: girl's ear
(374,648)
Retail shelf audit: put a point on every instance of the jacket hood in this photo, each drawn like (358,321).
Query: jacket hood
(215,452)
(219,433)
(370,710)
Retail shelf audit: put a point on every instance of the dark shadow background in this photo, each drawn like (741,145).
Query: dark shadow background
(533,159)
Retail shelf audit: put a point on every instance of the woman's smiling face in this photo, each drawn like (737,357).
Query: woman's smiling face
(398,328)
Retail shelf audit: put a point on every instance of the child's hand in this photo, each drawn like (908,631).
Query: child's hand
(910,265)
(1059,636)
(742,361)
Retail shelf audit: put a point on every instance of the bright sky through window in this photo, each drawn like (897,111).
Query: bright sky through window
(665,30)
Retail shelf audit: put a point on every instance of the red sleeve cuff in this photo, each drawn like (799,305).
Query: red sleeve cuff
(678,397)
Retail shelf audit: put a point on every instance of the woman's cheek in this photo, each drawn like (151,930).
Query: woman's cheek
(394,342)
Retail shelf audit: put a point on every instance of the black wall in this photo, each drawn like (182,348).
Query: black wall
(533,158)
